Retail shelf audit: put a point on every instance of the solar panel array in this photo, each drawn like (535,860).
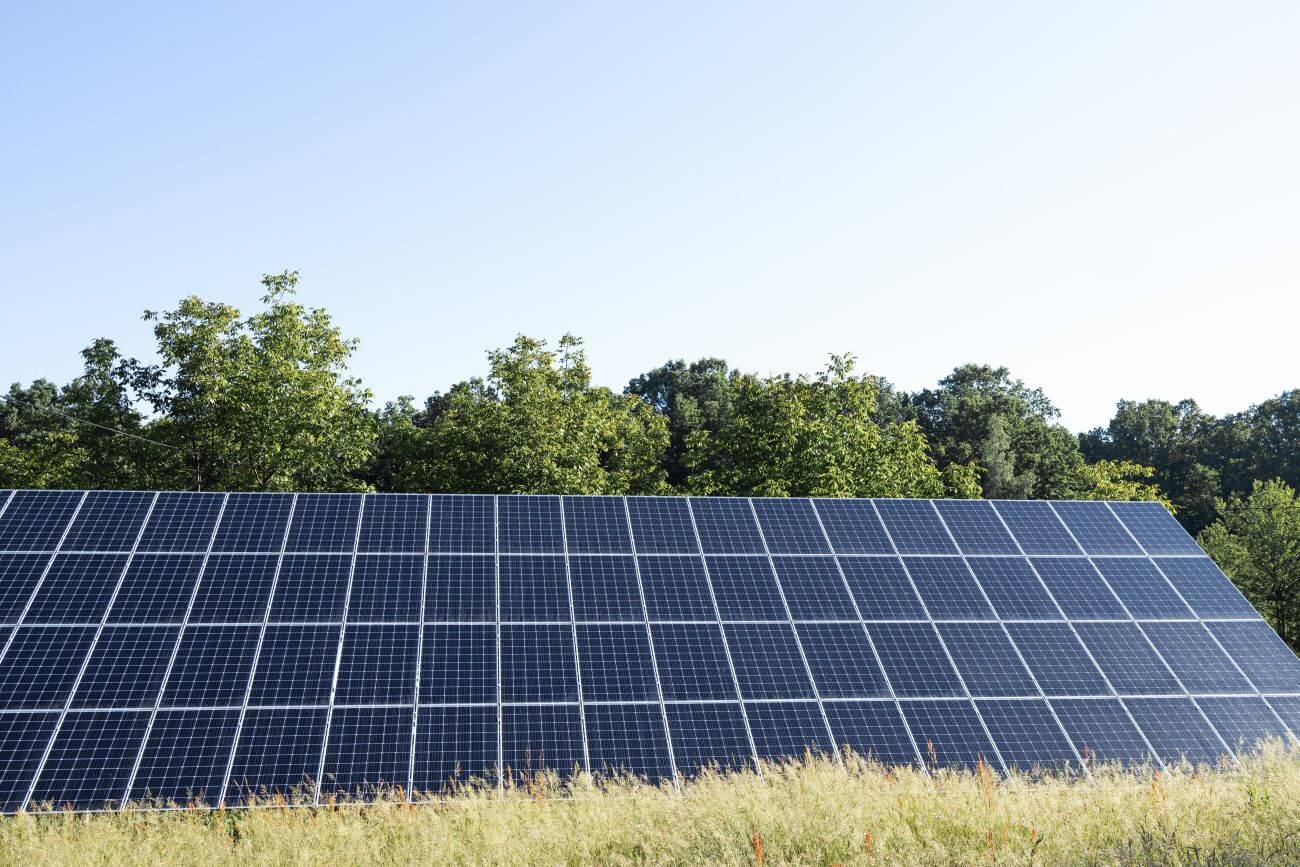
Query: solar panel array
(212,648)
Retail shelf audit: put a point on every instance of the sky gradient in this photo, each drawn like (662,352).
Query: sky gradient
(1101,196)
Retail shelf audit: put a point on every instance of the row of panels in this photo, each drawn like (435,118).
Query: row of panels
(194,522)
(133,667)
(233,588)
(99,759)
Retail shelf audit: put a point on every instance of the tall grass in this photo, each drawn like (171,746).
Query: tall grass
(813,812)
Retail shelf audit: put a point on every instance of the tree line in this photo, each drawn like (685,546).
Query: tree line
(265,401)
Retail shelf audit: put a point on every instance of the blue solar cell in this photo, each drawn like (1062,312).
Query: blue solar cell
(253,522)
(23,738)
(882,588)
(212,666)
(394,523)
(77,589)
(534,588)
(386,587)
(914,659)
(709,735)
(36,520)
(693,662)
(1176,729)
(296,665)
(841,660)
(915,527)
(1057,659)
(662,525)
(1195,657)
(1142,588)
(1096,529)
(986,659)
(324,522)
(41,665)
(788,730)
(1027,735)
(745,588)
(1078,588)
(460,664)
(466,524)
(814,588)
(277,756)
(615,663)
(461,588)
(537,663)
(976,527)
(874,730)
(1036,527)
(948,588)
(181,521)
(1155,529)
(1206,589)
(726,526)
(1288,708)
(1267,661)
(90,762)
(530,524)
(949,734)
(378,664)
(538,739)
(1101,731)
(605,588)
(853,527)
(767,660)
(790,527)
(311,587)
(185,757)
(1013,588)
(1243,721)
(126,667)
(108,521)
(18,576)
(234,589)
(676,588)
(596,525)
(628,739)
(157,589)
(1132,667)
(454,746)
(369,753)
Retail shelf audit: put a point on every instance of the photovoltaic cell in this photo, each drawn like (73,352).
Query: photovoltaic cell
(1130,664)
(661,525)
(915,527)
(90,761)
(1242,721)
(605,588)
(790,527)
(708,735)
(23,737)
(726,526)
(277,755)
(455,746)
(1195,657)
(616,664)
(949,734)
(324,523)
(36,520)
(369,752)
(1059,662)
(1141,587)
(212,666)
(460,588)
(596,525)
(530,524)
(814,588)
(1155,529)
(157,588)
(746,588)
(873,730)
(1013,588)
(1267,661)
(378,664)
(1096,528)
(853,526)
(914,659)
(541,739)
(394,523)
(181,522)
(466,524)
(234,589)
(41,665)
(693,662)
(460,664)
(1036,527)
(108,521)
(126,667)
(534,588)
(628,739)
(296,665)
(675,588)
(537,663)
(1176,730)
(1027,735)
(253,522)
(1206,589)
(1078,588)
(767,660)
(841,660)
(386,587)
(1102,731)
(788,730)
(882,589)
(184,759)
(976,527)
(948,588)
(76,589)
(987,661)
(18,576)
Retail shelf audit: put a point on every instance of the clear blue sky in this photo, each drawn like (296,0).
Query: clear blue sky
(1104,197)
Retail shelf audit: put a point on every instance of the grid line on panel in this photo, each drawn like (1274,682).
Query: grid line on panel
(798,642)
(1006,632)
(76,683)
(8,499)
(1070,625)
(871,643)
(419,649)
(338,655)
(573,635)
(726,647)
(171,662)
(49,564)
(257,654)
(496,568)
(649,632)
(1207,629)
(997,753)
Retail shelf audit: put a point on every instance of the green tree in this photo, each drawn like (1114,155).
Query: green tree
(534,425)
(258,403)
(1256,541)
(800,436)
(693,397)
(1117,480)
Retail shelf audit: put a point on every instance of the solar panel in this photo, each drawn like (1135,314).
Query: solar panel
(185,648)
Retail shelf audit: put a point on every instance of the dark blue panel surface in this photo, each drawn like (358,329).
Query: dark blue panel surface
(745,588)
(692,662)
(841,660)
(882,588)
(394,523)
(853,526)
(76,589)
(790,527)
(311,587)
(605,588)
(726,525)
(1057,659)
(90,762)
(41,665)
(460,664)
(1078,588)
(212,666)
(1288,707)
(1142,588)
(662,525)
(1013,588)
(1097,530)
(1195,657)
(1129,662)
(1101,731)
(530,524)
(126,667)
(324,522)
(1205,587)
(278,755)
(1243,721)
(253,522)
(185,758)
(541,738)
(1036,527)
(628,739)
(234,589)
(296,665)
(453,746)
(1176,730)
(915,527)
(615,662)
(1267,661)
(35,520)
(676,588)
(18,576)
(914,659)
(814,588)
(949,734)
(465,524)
(788,730)
(708,735)
(987,661)
(534,588)
(108,521)
(537,663)
(948,588)
(874,730)
(157,589)
(976,527)
(369,752)
(181,521)
(1155,529)
(596,525)
(767,661)
(386,587)
(1027,736)
(378,664)
(461,588)
(23,738)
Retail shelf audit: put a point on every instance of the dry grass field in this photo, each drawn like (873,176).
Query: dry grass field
(815,812)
